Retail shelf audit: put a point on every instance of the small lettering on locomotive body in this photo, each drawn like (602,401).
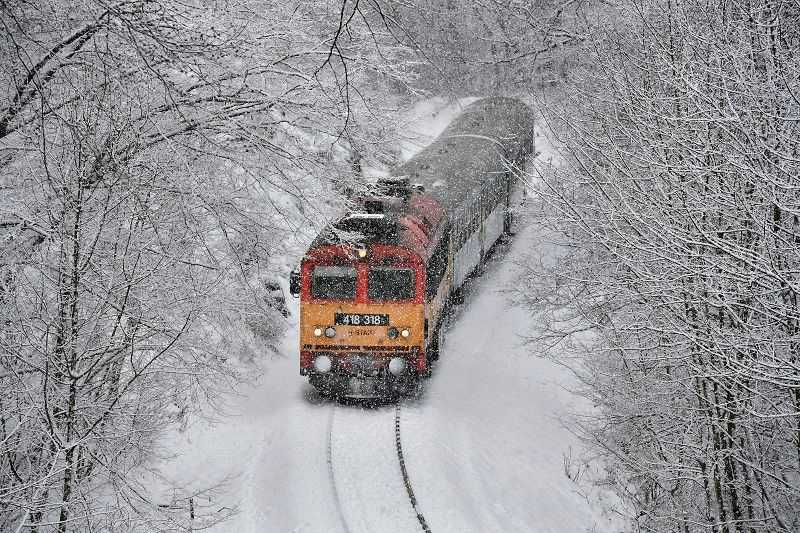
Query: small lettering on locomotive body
(362,332)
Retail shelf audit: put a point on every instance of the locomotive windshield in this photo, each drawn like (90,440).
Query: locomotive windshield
(333,283)
(387,283)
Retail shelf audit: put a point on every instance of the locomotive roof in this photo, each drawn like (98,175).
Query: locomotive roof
(361,229)
(410,223)
(481,140)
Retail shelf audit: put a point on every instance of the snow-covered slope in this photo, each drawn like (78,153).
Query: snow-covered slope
(484,443)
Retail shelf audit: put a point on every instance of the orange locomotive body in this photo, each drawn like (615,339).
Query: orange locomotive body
(374,286)
(365,311)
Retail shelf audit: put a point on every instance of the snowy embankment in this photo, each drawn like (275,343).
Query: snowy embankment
(484,444)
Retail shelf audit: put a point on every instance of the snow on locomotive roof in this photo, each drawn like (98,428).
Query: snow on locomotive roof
(484,139)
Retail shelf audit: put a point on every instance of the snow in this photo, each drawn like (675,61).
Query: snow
(484,443)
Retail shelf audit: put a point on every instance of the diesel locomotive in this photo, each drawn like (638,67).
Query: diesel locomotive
(375,285)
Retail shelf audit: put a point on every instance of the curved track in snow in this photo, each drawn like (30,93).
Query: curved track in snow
(349,479)
(332,471)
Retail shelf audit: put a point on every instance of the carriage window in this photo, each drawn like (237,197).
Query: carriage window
(333,283)
(387,283)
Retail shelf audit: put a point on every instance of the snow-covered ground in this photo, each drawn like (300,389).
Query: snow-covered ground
(484,444)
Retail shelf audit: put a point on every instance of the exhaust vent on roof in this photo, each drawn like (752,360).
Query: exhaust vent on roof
(397,186)
(371,225)
(373,206)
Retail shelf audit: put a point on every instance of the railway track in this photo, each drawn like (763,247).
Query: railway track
(332,472)
(343,481)
(404,471)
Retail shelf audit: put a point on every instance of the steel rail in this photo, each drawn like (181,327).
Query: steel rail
(404,471)
(332,474)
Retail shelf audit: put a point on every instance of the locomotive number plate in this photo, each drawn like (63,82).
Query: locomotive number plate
(355,319)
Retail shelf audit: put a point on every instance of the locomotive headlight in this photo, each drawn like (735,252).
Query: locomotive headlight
(392,332)
(405,333)
(318,332)
(330,332)
(323,364)
(397,365)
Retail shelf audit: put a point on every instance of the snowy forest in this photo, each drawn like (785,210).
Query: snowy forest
(163,165)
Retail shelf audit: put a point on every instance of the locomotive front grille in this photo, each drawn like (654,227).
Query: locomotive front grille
(361,364)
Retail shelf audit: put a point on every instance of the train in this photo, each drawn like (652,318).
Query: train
(376,285)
